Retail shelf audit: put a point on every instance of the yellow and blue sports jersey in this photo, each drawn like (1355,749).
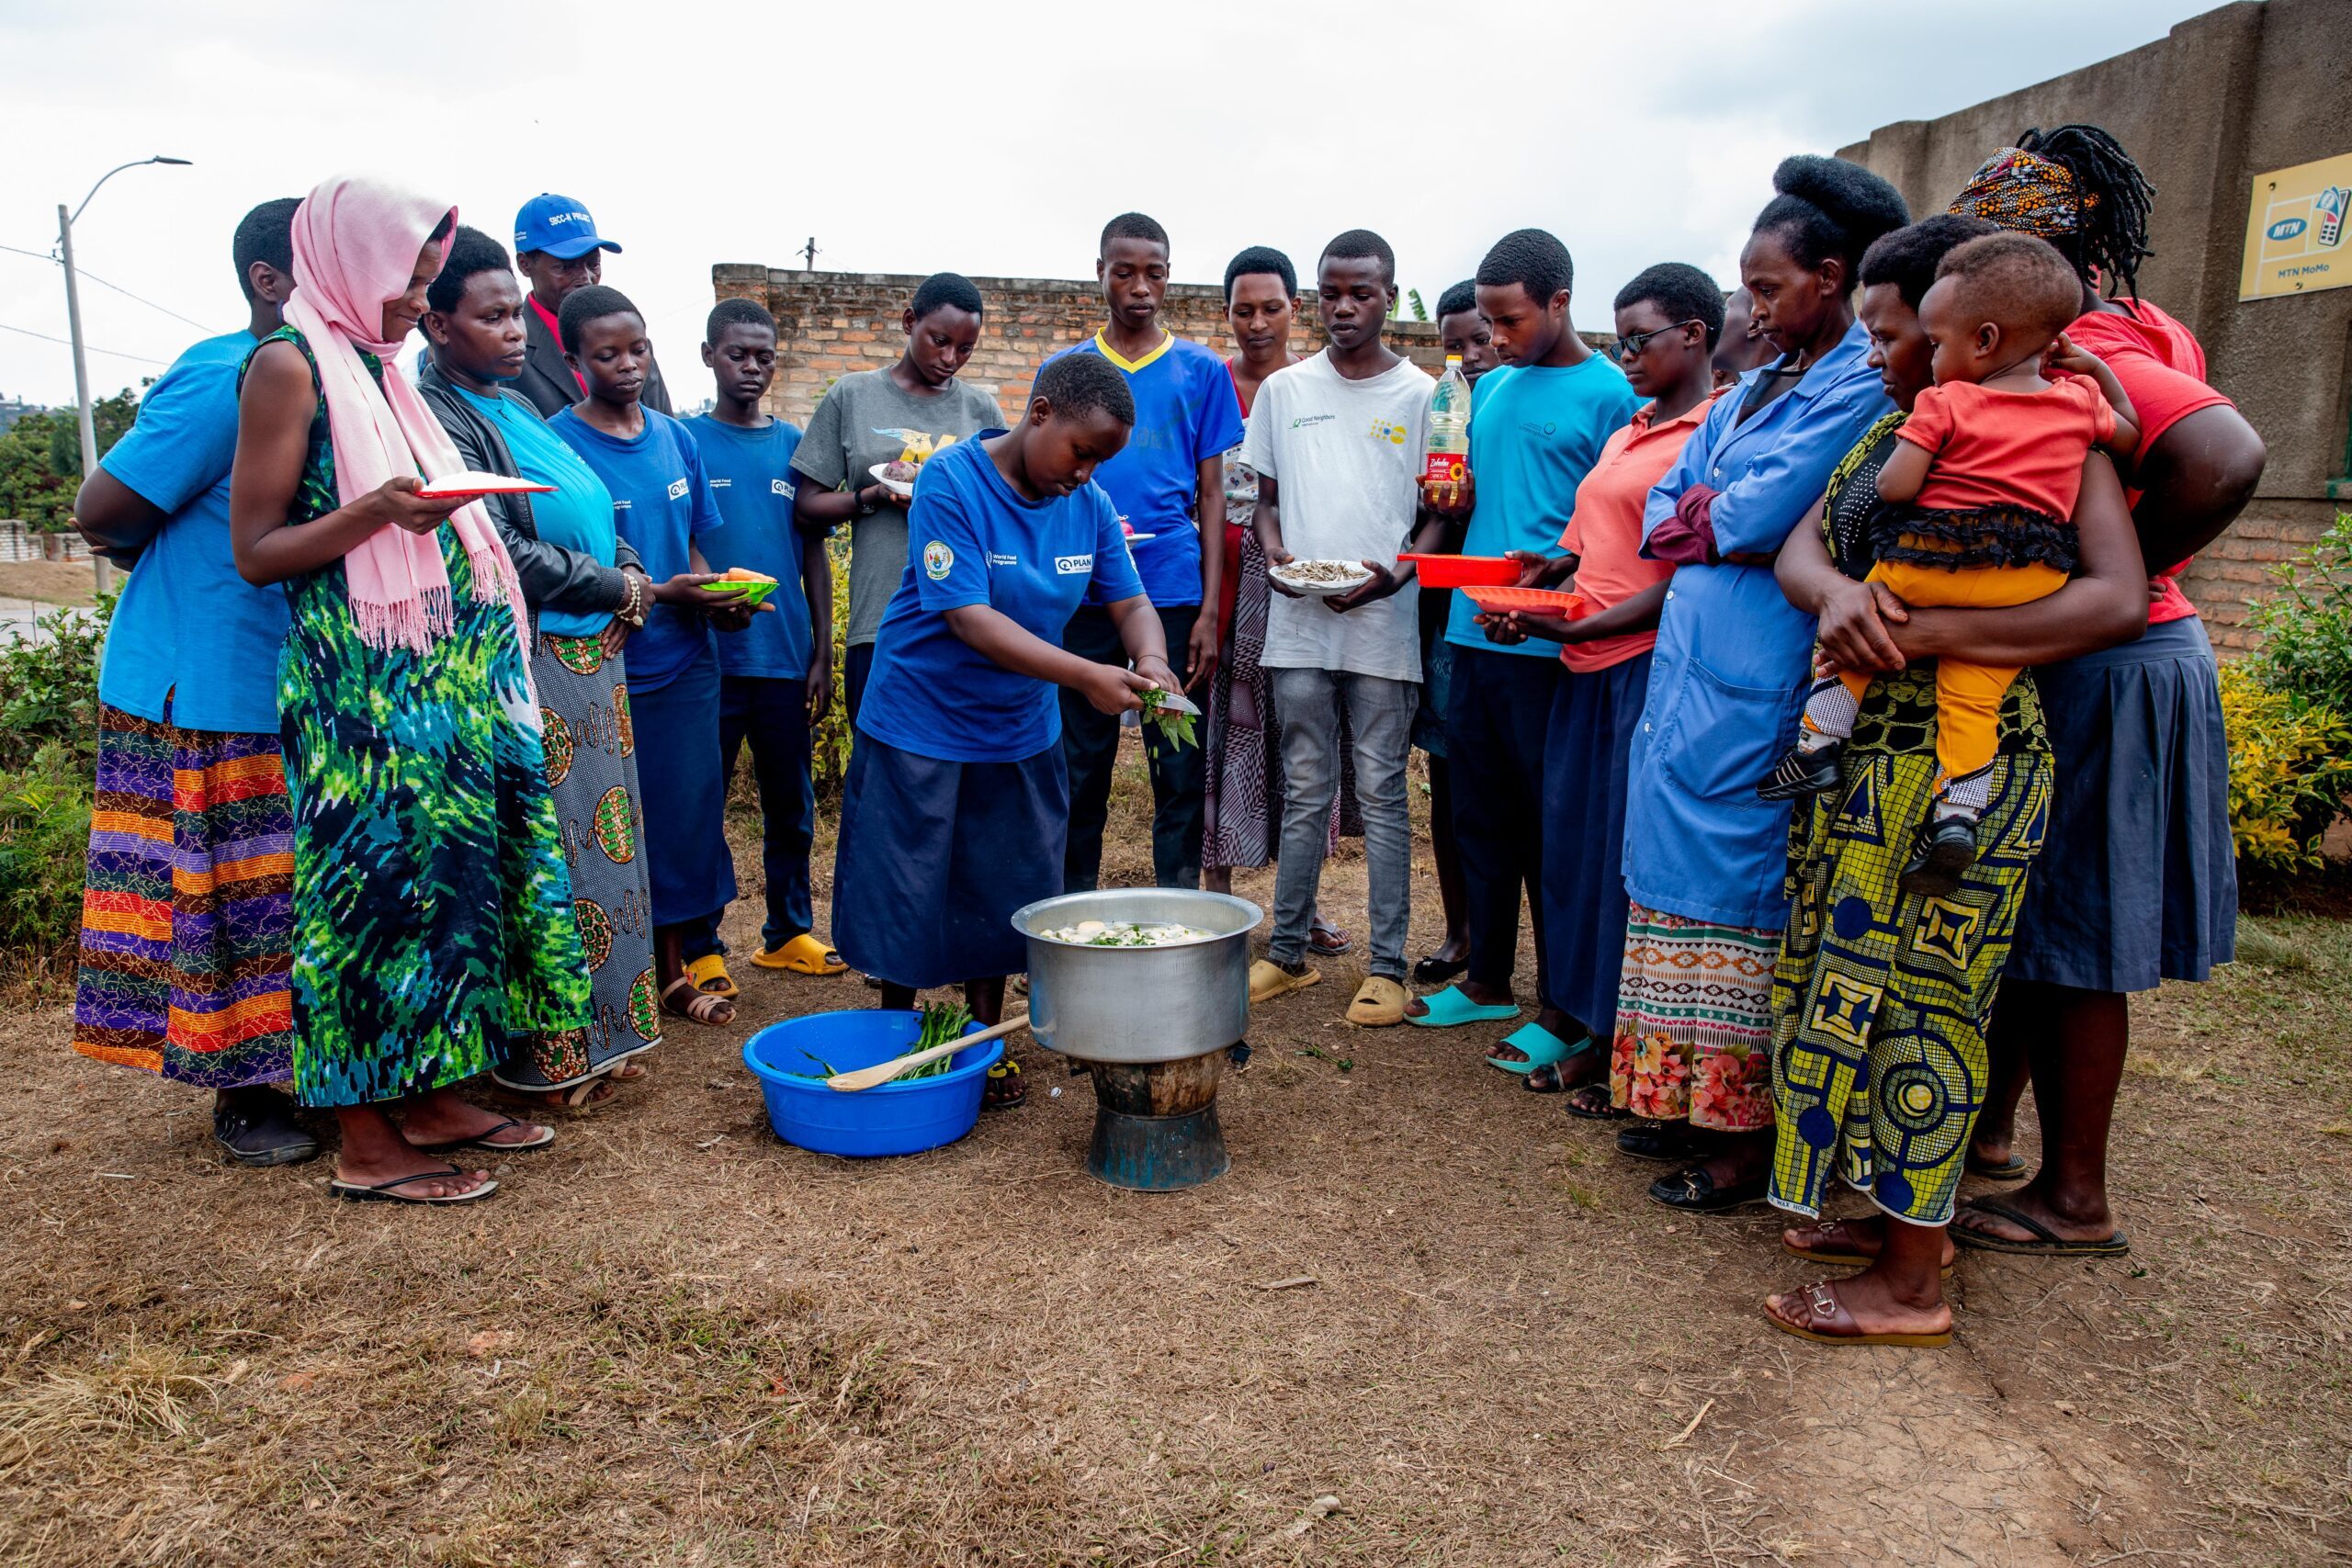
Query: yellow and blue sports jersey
(1186,412)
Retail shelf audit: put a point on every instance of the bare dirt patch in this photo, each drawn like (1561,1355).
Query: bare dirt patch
(673,1340)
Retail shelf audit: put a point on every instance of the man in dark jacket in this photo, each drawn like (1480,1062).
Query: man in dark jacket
(557,246)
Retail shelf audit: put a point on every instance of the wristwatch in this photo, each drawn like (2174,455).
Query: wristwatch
(862,507)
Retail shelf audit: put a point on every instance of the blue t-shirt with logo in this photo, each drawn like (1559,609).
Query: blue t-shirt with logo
(1186,412)
(751,479)
(188,630)
(1535,432)
(972,539)
(661,505)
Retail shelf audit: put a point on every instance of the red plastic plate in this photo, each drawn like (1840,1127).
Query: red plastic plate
(1536,601)
(1463,571)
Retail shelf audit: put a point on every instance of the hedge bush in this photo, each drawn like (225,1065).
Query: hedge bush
(2289,709)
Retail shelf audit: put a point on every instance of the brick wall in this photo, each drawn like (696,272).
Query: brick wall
(831,323)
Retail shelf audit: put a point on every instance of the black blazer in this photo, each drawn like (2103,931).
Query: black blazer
(547,383)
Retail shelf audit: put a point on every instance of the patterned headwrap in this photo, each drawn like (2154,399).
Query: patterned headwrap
(2026,193)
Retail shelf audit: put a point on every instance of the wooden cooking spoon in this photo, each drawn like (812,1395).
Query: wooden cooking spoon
(883,1072)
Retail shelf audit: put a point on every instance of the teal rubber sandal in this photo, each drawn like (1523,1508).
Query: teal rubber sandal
(1450,1008)
(1542,1048)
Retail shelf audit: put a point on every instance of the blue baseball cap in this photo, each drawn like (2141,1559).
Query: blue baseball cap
(559,226)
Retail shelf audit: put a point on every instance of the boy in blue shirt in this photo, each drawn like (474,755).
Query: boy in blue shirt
(1168,486)
(1537,424)
(188,751)
(957,799)
(777,676)
(662,505)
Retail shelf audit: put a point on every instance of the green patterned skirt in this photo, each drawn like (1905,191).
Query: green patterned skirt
(432,919)
(1880,998)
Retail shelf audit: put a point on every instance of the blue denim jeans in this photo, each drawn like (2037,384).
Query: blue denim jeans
(1380,715)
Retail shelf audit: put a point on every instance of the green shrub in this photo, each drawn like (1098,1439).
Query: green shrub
(2306,624)
(44,839)
(48,747)
(49,691)
(2290,770)
(828,747)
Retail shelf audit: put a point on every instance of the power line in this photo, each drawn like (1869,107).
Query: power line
(90,348)
(85,273)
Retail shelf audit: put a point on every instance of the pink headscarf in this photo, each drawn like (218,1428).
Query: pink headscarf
(355,243)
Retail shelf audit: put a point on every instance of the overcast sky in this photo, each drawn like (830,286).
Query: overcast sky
(912,136)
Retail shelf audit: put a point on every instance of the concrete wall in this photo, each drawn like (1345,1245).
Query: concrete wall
(830,323)
(2227,96)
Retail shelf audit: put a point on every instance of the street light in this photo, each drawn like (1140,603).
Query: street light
(65,222)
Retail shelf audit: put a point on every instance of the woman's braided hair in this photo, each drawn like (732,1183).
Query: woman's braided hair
(2111,230)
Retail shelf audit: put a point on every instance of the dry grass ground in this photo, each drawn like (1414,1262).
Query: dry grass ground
(673,1340)
(49,582)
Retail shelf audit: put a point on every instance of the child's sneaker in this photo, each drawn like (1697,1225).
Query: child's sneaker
(1946,848)
(1805,769)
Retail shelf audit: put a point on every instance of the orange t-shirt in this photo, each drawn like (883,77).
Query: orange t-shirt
(1605,530)
(1994,447)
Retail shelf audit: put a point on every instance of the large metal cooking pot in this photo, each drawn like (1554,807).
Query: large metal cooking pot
(1139,1004)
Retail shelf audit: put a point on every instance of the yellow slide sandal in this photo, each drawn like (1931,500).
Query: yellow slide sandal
(804,955)
(710,967)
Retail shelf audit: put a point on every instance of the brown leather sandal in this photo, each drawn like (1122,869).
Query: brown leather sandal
(1825,1320)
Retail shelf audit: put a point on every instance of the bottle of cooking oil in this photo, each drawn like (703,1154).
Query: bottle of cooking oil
(1449,450)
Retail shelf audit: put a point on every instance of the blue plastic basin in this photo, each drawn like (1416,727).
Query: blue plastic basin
(899,1118)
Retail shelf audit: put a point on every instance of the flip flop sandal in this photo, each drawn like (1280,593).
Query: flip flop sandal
(1840,1257)
(1436,971)
(701,1005)
(2017,1169)
(629,1072)
(1827,1322)
(388,1191)
(709,967)
(1330,941)
(2049,1243)
(1268,980)
(1379,1003)
(1540,1046)
(1450,1008)
(1669,1141)
(1593,1102)
(1694,1191)
(579,1098)
(1545,1077)
(1005,1089)
(804,955)
(546,1135)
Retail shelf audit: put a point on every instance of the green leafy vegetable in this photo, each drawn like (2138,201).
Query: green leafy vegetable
(1175,728)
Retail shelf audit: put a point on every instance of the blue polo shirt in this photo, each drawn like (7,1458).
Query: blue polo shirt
(1535,432)
(750,475)
(188,631)
(661,505)
(1185,413)
(971,540)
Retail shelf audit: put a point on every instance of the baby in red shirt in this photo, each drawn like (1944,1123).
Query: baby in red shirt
(1977,502)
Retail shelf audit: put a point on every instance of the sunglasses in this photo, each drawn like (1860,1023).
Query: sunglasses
(1630,346)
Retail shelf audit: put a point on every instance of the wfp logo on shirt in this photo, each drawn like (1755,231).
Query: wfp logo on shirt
(1387,430)
(1071,566)
(938,560)
(678,488)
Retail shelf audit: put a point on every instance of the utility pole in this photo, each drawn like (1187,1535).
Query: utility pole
(81,361)
(808,255)
(103,567)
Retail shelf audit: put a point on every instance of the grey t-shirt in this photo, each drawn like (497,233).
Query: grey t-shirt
(862,422)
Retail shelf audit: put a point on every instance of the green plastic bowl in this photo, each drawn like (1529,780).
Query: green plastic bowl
(748,593)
